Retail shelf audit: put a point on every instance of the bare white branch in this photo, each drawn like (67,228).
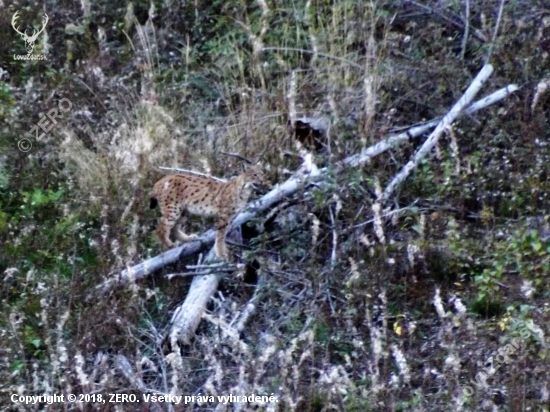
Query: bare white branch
(392,141)
(449,118)
(191,172)
(187,316)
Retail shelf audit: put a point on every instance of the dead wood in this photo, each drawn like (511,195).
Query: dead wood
(187,316)
(278,193)
(447,120)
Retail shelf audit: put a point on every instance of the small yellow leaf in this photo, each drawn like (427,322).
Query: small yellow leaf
(503,322)
(397,328)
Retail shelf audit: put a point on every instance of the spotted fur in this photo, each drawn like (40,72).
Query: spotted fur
(181,195)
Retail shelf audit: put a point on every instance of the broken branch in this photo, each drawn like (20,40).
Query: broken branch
(447,120)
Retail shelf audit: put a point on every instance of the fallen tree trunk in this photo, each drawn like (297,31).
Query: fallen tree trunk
(282,190)
(187,316)
(447,120)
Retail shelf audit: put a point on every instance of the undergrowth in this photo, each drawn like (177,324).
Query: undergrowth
(349,310)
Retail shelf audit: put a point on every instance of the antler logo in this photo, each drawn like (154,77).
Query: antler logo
(29,39)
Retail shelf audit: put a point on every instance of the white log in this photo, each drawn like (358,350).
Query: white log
(447,120)
(392,141)
(187,316)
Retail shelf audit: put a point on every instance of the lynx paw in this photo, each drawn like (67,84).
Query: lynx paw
(184,237)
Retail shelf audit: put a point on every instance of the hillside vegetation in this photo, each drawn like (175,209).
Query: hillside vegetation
(435,300)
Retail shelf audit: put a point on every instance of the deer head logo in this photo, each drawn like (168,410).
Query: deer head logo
(29,39)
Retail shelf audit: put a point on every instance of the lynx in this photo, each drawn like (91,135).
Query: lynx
(181,194)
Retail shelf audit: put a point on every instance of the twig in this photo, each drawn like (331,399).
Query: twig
(503,285)
(386,214)
(124,366)
(497,26)
(334,238)
(277,209)
(260,157)
(171,276)
(74,78)
(257,121)
(290,154)
(192,172)
(310,28)
(466,30)
(291,96)
(208,270)
(209,266)
(238,156)
(447,120)
(199,273)
(477,33)
(249,310)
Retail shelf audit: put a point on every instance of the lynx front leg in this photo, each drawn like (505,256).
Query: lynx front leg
(221,246)
(180,234)
(163,231)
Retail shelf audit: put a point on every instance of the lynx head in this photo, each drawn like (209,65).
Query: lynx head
(255,177)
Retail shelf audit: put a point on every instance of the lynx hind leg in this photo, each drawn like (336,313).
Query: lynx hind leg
(180,231)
